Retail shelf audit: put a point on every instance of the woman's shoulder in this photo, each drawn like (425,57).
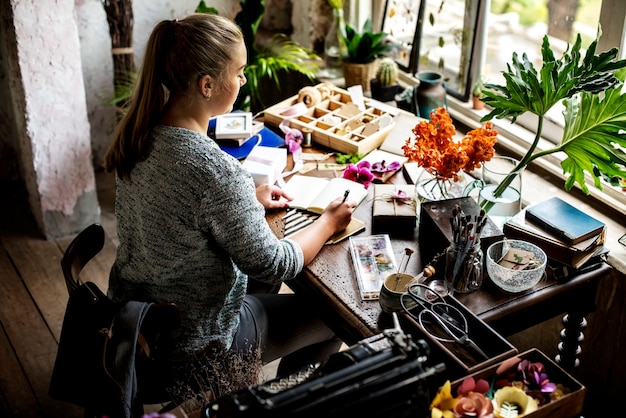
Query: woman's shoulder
(194,152)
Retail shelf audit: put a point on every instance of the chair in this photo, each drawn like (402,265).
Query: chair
(160,319)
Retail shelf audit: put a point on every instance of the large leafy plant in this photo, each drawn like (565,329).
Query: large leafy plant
(594,137)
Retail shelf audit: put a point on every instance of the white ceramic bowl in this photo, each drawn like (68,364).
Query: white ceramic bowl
(510,279)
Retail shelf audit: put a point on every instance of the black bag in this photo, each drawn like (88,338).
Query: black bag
(79,376)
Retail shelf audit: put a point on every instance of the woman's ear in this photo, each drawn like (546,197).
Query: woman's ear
(206,85)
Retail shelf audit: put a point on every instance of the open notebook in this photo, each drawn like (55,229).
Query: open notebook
(312,195)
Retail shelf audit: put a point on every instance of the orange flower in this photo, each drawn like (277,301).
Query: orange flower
(436,150)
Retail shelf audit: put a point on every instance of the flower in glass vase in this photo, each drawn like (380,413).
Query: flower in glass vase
(443,156)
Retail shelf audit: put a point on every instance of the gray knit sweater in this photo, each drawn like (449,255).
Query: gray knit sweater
(191,232)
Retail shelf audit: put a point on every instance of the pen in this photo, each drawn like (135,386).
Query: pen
(345,195)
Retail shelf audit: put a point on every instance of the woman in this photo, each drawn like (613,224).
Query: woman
(190,222)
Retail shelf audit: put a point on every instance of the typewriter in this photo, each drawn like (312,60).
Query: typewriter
(383,376)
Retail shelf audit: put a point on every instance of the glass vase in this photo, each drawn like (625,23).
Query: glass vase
(430,188)
(463,267)
(334,46)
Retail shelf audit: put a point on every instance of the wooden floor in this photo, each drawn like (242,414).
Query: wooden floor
(33,298)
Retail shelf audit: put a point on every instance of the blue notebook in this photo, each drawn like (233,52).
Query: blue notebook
(268,138)
(564,220)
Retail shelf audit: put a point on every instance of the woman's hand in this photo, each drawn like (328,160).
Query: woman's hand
(338,214)
(334,219)
(272,197)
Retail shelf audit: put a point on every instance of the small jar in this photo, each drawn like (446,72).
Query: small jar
(463,267)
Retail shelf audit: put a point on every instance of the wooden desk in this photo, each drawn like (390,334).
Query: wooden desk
(329,279)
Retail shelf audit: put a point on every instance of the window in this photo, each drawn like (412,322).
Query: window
(501,28)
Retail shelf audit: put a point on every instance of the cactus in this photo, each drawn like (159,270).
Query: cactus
(477,90)
(387,73)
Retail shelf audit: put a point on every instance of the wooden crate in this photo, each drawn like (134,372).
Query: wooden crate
(570,405)
(356,131)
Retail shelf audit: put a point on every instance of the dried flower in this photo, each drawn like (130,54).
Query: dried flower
(360,173)
(535,376)
(474,405)
(443,400)
(513,402)
(469,384)
(518,387)
(438,152)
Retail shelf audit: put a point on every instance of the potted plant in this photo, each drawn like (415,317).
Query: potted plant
(477,94)
(269,65)
(385,85)
(363,48)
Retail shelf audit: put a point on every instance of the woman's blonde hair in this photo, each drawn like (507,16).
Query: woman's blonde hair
(178,53)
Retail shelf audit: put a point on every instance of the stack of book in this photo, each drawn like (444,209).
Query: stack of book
(569,236)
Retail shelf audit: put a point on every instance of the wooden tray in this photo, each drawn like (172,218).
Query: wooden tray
(462,360)
(356,131)
(570,405)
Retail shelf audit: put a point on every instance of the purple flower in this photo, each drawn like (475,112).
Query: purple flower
(293,140)
(535,377)
(360,173)
(381,167)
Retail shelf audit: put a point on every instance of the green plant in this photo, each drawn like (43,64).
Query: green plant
(387,72)
(477,89)
(594,115)
(365,46)
(267,62)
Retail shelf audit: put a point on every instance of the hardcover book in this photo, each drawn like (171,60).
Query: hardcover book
(572,255)
(563,220)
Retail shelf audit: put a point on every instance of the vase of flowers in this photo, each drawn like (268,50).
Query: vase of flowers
(444,158)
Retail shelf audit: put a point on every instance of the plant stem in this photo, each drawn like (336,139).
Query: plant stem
(488,204)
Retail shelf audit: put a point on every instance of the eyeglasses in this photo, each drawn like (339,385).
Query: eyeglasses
(438,318)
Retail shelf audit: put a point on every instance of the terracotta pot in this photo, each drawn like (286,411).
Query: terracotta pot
(477,103)
(355,74)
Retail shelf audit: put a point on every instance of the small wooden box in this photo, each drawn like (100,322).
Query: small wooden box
(461,359)
(355,130)
(570,405)
(391,214)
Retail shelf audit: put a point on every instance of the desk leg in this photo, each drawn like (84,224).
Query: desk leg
(571,339)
